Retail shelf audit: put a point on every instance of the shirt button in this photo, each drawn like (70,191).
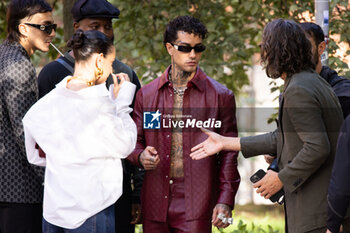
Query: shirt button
(166,177)
(171,182)
(166,197)
(167,156)
(171,94)
(168,136)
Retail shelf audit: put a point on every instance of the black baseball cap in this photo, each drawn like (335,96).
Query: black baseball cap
(93,9)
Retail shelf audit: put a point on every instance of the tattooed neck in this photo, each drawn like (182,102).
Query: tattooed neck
(180,78)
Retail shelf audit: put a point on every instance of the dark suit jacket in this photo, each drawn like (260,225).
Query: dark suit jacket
(310,117)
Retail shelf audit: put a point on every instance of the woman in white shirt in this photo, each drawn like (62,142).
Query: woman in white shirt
(84,130)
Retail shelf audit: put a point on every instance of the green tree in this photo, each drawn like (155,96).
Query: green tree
(235,28)
(3,23)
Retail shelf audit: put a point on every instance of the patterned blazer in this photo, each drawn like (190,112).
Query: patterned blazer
(20,182)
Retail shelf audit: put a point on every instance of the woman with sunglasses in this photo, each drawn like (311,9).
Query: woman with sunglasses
(30,27)
(85,130)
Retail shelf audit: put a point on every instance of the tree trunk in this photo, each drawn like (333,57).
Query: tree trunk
(67,19)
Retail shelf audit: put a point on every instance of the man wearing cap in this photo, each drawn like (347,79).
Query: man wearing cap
(98,15)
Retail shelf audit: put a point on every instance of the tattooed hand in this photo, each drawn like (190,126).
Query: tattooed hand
(221,209)
(149,158)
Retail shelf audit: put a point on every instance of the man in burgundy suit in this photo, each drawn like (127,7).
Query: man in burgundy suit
(180,194)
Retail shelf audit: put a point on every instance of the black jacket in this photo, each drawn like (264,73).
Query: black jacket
(341,87)
(339,186)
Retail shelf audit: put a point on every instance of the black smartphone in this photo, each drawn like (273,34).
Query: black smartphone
(277,197)
(257,176)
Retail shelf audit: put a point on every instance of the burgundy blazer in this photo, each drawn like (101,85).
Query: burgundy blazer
(208,181)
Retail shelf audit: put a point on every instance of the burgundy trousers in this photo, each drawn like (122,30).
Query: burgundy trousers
(176,218)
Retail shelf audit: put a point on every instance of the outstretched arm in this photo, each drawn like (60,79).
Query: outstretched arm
(214,144)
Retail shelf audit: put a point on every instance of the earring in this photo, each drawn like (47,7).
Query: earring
(98,73)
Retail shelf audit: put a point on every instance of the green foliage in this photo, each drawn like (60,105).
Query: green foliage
(339,25)
(243,228)
(3,23)
(235,28)
(140,38)
(240,228)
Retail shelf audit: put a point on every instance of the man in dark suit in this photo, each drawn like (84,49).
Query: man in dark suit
(305,140)
(98,15)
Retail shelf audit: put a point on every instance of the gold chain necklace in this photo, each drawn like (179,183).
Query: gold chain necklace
(88,83)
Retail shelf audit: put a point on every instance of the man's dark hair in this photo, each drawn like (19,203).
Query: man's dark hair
(18,10)
(84,44)
(187,24)
(315,31)
(285,48)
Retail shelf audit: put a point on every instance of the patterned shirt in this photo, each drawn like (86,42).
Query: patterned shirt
(20,182)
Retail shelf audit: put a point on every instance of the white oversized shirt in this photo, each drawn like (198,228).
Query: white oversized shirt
(84,134)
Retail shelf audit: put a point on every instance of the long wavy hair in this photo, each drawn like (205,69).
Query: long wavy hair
(285,48)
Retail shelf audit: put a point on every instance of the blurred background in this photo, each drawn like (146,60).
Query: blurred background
(232,58)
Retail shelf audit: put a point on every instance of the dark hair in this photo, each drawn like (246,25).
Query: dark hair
(187,24)
(84,44)
(285,48)
(315,31)
(18,10)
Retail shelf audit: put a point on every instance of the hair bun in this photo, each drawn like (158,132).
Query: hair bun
(77,40)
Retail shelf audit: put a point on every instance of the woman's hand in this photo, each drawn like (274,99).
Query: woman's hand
(118,80)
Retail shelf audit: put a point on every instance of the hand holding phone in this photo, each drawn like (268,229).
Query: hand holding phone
(277,197)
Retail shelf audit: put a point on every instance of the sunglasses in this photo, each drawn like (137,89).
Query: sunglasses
(45,28)
(187,49)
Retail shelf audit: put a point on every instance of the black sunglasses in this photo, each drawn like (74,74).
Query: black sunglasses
(187,49)
(45,28)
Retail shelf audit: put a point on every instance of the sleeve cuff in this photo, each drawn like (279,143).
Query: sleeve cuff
(125,95)
(290,183)
(333,221)
(134,158)
(227,199)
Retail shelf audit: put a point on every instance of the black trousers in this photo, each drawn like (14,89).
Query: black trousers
(123,215)
(123,205)
(20,218)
